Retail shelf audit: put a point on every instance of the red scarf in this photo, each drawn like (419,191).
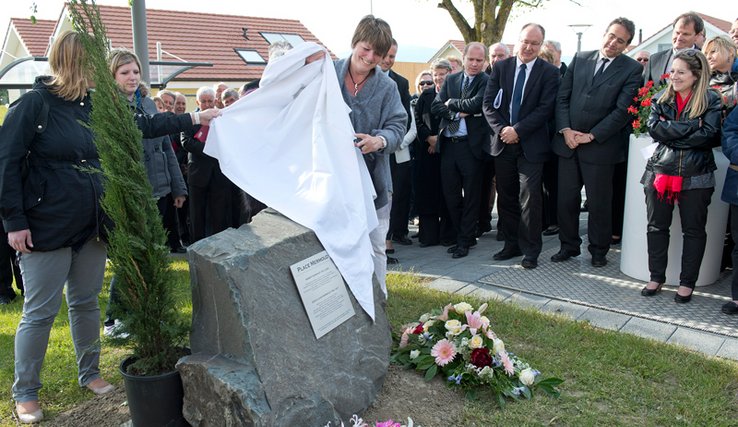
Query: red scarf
(668,186)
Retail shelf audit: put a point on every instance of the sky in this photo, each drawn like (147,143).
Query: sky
(419,26)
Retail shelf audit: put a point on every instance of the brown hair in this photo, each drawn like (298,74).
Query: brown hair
(374,31)
(69,73)
(119,57)
(697,63)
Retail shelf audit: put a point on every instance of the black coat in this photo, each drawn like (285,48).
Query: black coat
(427,166)
(57,199)
(685,145)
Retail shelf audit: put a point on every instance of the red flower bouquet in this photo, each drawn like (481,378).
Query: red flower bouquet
(641,107)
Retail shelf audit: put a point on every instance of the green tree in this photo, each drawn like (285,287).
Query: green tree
(490,17)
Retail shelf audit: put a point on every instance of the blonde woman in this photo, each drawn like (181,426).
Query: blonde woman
(685,122)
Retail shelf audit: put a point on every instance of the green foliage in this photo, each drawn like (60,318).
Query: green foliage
(137,244)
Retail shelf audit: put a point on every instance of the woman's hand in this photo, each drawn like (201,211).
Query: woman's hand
(205,116)
(21,241)
(179,201)
(314,57)
(368,144)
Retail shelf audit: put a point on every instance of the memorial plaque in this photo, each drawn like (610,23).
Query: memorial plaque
(323,293)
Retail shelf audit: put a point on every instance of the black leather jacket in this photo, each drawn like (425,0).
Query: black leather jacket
(685,145)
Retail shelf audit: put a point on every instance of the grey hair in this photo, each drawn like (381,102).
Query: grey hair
(229,93)
(441,63)
(205,90)
(556,45)
(502,45)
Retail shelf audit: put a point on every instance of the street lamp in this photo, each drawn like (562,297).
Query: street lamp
(579,29)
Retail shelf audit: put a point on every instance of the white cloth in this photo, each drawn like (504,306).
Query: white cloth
(290,145)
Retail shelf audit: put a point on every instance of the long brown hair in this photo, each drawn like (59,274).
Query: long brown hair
(69,73)
(697,63)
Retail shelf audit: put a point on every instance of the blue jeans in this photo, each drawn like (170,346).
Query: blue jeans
(44,277)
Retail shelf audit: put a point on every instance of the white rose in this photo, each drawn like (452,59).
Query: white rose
(462,307)
(427,325)
(498,346)
(453,326)
(424,318)
(414,354)
(476,342)
(527,376)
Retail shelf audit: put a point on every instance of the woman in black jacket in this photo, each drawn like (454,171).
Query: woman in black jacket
(50,206)
(685,122)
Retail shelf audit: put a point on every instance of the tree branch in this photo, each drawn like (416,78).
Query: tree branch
(466,30)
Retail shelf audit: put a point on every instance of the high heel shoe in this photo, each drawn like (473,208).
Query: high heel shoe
(31,415)
(651,292)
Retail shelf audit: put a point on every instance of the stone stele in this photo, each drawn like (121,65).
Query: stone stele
(255,360)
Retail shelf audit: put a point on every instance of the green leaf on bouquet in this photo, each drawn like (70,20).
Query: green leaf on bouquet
(431,372)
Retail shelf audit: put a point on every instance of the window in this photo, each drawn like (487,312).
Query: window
(293,39)
(250,57)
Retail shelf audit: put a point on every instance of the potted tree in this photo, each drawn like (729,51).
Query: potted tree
(137,247)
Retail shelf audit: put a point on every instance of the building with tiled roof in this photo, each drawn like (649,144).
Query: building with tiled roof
(236,46)
(455,48)
(661,40)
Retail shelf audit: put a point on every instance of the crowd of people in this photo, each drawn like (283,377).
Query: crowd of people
(520,127)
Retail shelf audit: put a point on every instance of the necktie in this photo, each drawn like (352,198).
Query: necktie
(454,125)
(517,95)
(599,72)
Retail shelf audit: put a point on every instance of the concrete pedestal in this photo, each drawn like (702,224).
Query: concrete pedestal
(634,256)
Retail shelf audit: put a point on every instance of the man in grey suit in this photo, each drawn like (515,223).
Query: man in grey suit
(593,128)
(463,135)
(686,27)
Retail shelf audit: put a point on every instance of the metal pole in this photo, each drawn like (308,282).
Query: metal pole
(140,38)
(579,42)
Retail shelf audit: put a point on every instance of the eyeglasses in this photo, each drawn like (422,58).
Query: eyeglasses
(642,59)
(426,83)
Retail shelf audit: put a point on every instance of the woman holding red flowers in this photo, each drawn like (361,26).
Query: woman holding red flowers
(685,122)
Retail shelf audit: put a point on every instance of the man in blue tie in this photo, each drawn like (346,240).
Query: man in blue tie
(518,104)
(462,136)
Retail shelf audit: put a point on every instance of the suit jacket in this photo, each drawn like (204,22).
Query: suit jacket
(599,109)
(402,154)
(202,169)
(476,126)
(657,64)
(536,109)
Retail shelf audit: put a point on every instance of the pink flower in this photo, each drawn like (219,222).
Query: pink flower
(507,363)
(491,335)
(388,423)
(444,315)
(474,320)
(444,351)
(404,339)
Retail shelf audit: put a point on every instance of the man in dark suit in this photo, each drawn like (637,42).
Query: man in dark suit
(518,103)
(686,27)
(401,173)
(593,128)
(210,190)
(463,136)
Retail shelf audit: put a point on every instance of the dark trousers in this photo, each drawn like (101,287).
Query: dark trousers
(461,171)
(597,181)
(693,212)
(9,268)
(734,234)
(169,217)
(550,192)
(520,200)
(619,178)
(487,194)
(210,209)
(401,189)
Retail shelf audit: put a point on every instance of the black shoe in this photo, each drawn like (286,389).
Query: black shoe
(453,248)
(425,245)
(460,252)
(448,243)
(506,254)
(529,263)
(730,308)
(179,250)
(551,230)
(389,251)
(651,292)
(392,261)
(599,261)
(6,299)
(482,230)
(679,299)
(403,240)
(563,255)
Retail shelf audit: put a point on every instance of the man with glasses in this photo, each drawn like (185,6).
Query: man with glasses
(683,36)
(592,124)
(642,57)
(518,104)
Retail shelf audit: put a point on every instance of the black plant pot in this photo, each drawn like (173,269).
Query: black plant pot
(154,401)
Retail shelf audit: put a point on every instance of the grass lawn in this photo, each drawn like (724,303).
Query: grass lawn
(610,378)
